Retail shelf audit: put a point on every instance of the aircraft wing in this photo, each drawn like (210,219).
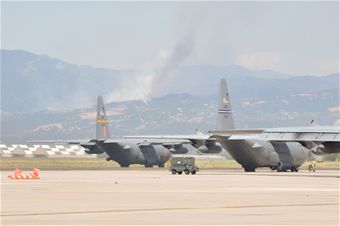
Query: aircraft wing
(237,134)
(176,141)
(78,141)
(155,140)
(169,144)
(172,137)
(312,134)
(321,140)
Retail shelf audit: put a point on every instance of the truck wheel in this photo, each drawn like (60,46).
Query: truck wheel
(186,171)
(180,173)
(173,171)
(310,168)
(193,172)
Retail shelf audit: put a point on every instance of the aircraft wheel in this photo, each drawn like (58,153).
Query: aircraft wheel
(186,171)
(294,169)
(249,169)
(180,173)
(279,167)
(281,170)
(173,171)
(125,165)
(193,172)
(161,165)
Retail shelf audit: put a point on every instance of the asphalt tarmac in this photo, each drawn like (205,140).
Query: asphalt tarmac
(155,197)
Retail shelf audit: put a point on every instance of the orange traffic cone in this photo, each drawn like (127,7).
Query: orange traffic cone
(35,174)
(18,175)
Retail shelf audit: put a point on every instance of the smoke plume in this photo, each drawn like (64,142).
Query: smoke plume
(142,85)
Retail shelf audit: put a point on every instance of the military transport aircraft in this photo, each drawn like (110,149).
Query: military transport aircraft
(123,151)
(280,149)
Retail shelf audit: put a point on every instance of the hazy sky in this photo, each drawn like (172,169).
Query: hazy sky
(291,37)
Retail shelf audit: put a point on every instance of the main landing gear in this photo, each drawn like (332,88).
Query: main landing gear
(249,169)
(280,168)
(124,165)
(151,165)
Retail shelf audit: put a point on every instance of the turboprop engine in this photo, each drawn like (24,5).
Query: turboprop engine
(210,146)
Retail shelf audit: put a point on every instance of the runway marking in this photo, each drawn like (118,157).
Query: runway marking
(164,209)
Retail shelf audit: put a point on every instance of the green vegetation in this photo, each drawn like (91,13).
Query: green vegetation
(101,164)
(218,164)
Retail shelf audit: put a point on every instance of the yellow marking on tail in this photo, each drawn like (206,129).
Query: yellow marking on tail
(102,121)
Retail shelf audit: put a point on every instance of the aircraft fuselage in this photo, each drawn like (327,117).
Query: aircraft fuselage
(126,153)
(253,153)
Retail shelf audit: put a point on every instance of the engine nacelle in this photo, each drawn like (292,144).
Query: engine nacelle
(210,148)
(178,150)
(331,147)
(203,149)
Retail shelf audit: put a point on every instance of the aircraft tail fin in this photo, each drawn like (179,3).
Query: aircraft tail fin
(225,118)
(102,124)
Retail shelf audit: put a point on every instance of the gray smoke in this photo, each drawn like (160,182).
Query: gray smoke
(143,84)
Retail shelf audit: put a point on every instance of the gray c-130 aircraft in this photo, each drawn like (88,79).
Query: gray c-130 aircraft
(123,151)
(280,149)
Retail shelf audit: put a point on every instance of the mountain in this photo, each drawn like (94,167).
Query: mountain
(35,82)
(32,83)
(46,98)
